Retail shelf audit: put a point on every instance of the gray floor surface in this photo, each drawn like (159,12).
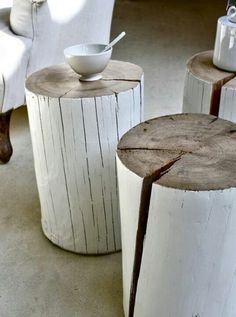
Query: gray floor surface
(37,278)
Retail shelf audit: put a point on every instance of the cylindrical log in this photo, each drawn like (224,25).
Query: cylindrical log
(203,85)
(177,189)
(228,101)
(75,128)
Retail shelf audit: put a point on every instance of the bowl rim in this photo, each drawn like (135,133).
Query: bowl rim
(82,44)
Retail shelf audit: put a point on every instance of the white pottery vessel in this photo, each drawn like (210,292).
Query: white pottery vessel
(88,60)
(225,44)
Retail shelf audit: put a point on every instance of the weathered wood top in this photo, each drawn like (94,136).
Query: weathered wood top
(201,147)
(61,81)
(202,67)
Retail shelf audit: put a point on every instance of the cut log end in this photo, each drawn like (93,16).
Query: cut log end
(202,146)
(61,81)
(201,66)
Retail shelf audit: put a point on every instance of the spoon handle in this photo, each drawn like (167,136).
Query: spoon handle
(117,39)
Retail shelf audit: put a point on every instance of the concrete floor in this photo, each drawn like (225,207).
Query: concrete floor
(161,36)
(37,278)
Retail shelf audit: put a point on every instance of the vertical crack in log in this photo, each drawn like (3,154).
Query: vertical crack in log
(63,156)
(117,120)
(215,98)
(87,162)
(142,226)
(72,118)
(216,95)
(98,131)
(46,162)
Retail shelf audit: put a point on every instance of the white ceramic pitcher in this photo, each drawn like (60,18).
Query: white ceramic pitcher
(225,43)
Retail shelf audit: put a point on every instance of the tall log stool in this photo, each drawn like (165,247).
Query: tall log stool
(177,188)
(208,89)
(75,127)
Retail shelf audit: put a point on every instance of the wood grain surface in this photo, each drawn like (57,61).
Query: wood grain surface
(61,81)
(206,144)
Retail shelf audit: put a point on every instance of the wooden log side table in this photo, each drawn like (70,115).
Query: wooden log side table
(75,127)
(177,188)
(208,89)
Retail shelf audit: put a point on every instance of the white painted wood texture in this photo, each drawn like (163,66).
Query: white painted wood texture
(74,143)
(206,88)
(197,94)
(228,101)
(130,188)
(187,266)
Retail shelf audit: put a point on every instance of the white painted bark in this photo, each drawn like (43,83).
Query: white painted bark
(188,266)
(74,143)
(203,85)
(197,95)
(177,194)
(228,101)
(129,213)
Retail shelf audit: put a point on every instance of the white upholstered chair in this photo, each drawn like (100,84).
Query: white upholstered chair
(33,34)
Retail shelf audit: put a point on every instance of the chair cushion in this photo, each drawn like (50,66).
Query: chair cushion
(14,58)
(21,18)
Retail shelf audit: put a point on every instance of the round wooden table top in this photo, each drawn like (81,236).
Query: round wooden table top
(183,151)
(61,81)
(202,67)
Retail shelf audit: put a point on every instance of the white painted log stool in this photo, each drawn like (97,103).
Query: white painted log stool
(75,127)
(177,188)
(208,89)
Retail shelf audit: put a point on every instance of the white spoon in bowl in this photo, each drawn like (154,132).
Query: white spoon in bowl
(117,39)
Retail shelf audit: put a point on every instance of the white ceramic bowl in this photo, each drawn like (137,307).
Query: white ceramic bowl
(88,60)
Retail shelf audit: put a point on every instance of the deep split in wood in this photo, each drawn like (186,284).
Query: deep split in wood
(177,179)
(208,89)
(142,226)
